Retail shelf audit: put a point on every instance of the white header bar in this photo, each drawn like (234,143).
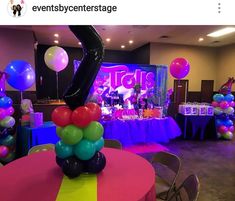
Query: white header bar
(117,12)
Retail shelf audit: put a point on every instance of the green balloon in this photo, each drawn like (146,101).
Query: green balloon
(63,150)
(99,144)
(10,157)
(7,122)
(71,134)
(84,150)
(228,135)
(8,141)
(59,131)
(94,131)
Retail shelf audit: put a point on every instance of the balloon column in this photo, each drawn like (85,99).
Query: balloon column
(223,104)
(7,141)
(77,125)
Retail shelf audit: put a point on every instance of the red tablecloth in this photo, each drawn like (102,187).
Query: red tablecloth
(126,177)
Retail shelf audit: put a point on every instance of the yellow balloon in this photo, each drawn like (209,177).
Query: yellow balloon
(56,58)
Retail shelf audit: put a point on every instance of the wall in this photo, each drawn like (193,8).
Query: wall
(203,62)
(46,86)
(226,65)
(16,45)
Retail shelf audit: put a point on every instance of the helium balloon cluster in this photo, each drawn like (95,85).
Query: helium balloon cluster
(81,139)
(224,110)
(7,141)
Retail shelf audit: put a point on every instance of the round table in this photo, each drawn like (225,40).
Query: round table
(126,177)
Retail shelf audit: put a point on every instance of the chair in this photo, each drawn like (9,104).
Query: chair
(43,147)
(112,144)
(1,165)
(167,168)
(189,188)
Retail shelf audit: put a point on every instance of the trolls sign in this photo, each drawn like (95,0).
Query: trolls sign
(123,77)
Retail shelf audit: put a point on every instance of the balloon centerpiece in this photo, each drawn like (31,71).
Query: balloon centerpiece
(77,125)
(223,104)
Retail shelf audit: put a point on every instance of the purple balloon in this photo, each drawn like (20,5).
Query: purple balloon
(9,111)
(179,68)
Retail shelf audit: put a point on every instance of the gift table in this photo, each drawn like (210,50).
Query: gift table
(194,126)
(139,131)
(126,177)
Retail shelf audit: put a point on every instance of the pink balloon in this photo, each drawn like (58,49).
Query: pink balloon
(223,129)
(10,111)
(215,104)
(224,105)
(2,113)
(231,129)
(3,151)
(179,68)
(232,104)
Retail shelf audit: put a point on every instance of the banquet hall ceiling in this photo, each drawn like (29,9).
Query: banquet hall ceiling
(140,34)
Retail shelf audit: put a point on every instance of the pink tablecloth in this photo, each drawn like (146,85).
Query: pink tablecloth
(126,177)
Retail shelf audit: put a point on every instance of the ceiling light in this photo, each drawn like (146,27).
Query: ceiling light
(56,41)
(79,43)
(222,32)
(56,35)
(122,46)
(108,39)
(200,39)
(131,41)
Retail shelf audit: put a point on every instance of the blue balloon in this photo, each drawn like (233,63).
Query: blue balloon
(99,144)
(229,97)
(228,123)
(85,150)
(218,122)
(5,102)
(63,150)
(21,75)
(218,97)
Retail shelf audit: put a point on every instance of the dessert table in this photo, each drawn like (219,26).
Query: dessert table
(140,131)
(126,177)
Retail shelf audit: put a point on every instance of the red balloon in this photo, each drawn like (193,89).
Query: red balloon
(95,111)
(61,116)
(82,116)
(224,105)
(223,129)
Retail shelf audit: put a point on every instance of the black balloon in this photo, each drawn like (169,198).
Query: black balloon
(72,167)
(96,164)
(93,52)
(59,161)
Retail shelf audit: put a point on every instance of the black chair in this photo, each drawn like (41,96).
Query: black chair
(112,144)
(167,168)
(188,190)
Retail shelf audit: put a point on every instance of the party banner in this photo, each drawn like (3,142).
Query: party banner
(122,78)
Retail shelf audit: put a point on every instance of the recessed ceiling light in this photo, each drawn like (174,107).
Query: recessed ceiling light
(122,46)
(108,39)
(56,41)
(131,41)
(222,32)
(200,39)
(56,35)
(79,43)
